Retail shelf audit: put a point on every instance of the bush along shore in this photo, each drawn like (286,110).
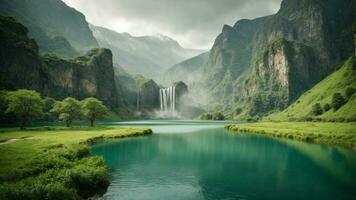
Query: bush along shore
(341,134)
(55,163)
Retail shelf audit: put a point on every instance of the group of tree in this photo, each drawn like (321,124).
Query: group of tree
(213,116)
(337,101)
(27,105)
(266,102)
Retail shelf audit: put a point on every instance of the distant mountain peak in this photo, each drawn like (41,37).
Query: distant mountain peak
(162,37)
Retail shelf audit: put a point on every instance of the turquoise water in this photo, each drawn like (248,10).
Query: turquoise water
(200,160)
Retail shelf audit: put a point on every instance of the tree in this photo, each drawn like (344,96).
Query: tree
(218,116)
(26,105)
(257,106)
(93,109)
(238,111)
(349,92)
(316,109)
(68,110)
(327,107)
(48,104)
(337,101)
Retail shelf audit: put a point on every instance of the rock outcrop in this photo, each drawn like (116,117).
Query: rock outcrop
(21,66)
(148,96)
(279,56)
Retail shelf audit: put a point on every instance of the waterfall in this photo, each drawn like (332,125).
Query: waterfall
(167,97)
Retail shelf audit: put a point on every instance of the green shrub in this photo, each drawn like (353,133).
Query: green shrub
(33,190)
(218,116)
(349,92)
(327,107)
(337,101)
(89,177)
(316,109)
(238,111)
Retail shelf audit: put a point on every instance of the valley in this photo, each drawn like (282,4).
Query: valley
(266,111)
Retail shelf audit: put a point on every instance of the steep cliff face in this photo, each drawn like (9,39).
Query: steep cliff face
(279,56)
(148,96)
(89,75)
(282,72)
(48,20)
(22,67)
(229,59)
(313,38)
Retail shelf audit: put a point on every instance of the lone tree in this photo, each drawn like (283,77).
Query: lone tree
(68,110)
(26,105)
(93,109)
(337,101)
(316,109)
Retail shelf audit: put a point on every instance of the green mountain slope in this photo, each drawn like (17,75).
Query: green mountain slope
(56,27)
(322,93)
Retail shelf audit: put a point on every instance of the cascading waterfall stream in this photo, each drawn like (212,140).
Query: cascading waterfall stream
(167,97)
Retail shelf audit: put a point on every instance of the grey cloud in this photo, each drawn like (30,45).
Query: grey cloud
(194,23)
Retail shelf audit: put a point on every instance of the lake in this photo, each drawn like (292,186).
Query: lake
(200,160)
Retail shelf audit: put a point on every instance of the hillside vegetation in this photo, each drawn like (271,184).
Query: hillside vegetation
(342,81)
(342,134)
(55,162)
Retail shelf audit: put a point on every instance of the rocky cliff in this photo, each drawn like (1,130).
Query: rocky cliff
(23,67)
(148,96)
(313,39)
(271,61)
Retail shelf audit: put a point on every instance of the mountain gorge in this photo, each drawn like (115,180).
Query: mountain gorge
(145,55)
(265,64)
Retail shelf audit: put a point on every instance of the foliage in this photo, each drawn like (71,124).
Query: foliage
(337,101)
(349,92)
(207,116)
(238,111)
(68,110)
(26,105)
(54,165)
(337,82)
(316,109)
(214,116)
(326,107)
(48,104)
(343,134)
(218,116)
(93,109)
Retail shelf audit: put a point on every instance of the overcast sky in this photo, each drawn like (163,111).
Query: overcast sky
(193,23)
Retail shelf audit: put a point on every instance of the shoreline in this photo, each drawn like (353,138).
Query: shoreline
(57,161)
(339,134)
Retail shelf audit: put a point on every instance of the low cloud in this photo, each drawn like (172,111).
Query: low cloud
(194,23)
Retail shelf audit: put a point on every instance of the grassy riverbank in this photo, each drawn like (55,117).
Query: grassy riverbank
(55,162)
(343,134)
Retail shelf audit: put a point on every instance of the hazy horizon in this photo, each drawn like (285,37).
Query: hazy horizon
(191,23)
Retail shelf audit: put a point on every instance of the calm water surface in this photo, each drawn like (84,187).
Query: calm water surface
(200,160)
